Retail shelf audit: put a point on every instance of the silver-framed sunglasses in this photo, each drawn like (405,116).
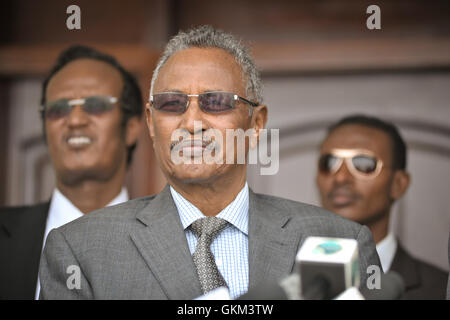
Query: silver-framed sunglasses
(93,105)
(209,102)
(361,163)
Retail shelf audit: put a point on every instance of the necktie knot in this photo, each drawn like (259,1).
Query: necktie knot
(209,227)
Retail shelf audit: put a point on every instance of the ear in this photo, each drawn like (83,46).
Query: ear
(134,127)
(400,184)
(259,120)
(149,120)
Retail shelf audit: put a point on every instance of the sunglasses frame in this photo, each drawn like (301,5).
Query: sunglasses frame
(235,98)
(78,101)
(348,155)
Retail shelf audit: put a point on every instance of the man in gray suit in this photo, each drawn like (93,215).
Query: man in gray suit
(206,228)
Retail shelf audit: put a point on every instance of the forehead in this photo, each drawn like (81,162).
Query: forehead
(83,77)
(200,69)
(353,136)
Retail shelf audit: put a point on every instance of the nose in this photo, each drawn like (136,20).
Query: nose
(77,117)
(192,116)
(343,175)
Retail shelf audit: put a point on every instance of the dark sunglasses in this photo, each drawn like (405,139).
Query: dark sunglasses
(209,102)
(93,105)
(360,162)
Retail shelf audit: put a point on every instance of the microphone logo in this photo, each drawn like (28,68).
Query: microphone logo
(329,247)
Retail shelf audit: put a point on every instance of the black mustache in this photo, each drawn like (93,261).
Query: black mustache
(344,190)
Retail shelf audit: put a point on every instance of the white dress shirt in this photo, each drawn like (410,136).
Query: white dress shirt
(63,211)
(230,247)
(386,249)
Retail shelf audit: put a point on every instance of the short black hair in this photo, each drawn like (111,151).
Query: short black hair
(398,144)
(131,98)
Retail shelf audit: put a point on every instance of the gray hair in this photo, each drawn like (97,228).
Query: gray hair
(208,37)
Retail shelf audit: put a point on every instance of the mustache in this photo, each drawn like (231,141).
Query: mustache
(343,190)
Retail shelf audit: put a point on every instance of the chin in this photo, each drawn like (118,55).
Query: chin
(346,212)
(77,174)
(195,173)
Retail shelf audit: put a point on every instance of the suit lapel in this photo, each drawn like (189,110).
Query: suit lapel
(272,246)
(163,245)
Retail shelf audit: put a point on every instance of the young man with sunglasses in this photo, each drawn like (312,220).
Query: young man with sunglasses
(91,111)
(206,229)
(361,173)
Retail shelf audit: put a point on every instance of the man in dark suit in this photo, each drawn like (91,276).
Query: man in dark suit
(206,229)
(361,173)
(91,119)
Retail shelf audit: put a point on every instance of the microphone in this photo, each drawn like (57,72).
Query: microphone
(350,294)
(287,289)
(327,267)
(324,268)
(392,287)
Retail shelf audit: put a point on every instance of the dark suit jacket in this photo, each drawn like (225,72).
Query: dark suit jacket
(448,281)
(21,235)
(422,280)
(138,249)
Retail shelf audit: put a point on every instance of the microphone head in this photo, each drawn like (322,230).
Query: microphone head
(327,266)
(392,287)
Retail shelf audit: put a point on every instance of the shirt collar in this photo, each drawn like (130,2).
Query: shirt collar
(386,249)
(236,213)
(63,211)
(121,197)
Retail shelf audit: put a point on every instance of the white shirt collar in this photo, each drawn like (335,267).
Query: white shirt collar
(63,211)
(386,249)
(236,213)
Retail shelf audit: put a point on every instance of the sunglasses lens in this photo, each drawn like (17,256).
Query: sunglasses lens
(170,102)
(57,109)
(364,164)
(216,102)
(97,105)
(327,163)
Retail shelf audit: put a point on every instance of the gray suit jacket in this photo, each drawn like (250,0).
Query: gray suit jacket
(138,249)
